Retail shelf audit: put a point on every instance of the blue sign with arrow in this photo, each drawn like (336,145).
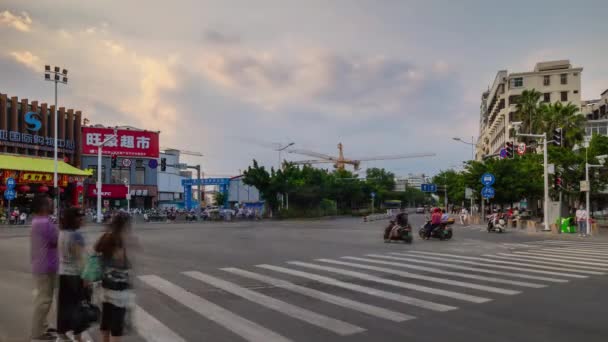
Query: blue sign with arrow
(428,187)
(488,192)
(487,179)
(9,194)
(10,183)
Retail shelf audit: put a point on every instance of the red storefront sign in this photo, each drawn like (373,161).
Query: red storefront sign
(117,191)
(129,143)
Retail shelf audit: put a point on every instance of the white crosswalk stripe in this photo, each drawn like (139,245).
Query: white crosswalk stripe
(583,248)
(363,289)
(555,264)
(423,277)
(248,330)
(530,256)
(455,274)
(566,255)
(574,251)
(410,286)
(323,296)
(151,329)
(573,243)
(322,321)
(467,268)
(487,261)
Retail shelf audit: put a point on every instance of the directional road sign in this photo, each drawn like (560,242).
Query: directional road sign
(373,194)
(10,183)
(428,187)
(9,194)
(487,179)
(488,192)
(153,163)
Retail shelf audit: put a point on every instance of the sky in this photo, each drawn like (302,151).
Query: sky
(231,78)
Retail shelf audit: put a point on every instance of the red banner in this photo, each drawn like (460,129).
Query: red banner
(117,191)
(129,143)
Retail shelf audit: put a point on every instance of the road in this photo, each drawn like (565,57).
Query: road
(262,281)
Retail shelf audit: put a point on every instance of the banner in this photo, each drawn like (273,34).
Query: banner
(129,143)
(118,191)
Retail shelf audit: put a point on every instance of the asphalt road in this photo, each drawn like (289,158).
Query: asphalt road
(237,282)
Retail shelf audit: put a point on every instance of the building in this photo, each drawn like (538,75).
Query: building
(136,155)
(26,150)
(400,184)
(558,81)
(170,188)
(239,192)
(596,112)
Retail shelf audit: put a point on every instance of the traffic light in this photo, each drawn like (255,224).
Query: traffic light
(557,136)
(509,149)
(114,161)
(163,164)
(557,182)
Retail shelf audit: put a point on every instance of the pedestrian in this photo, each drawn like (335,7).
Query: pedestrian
(581,220)
(116,283)
(464,214)
(43,254)
(71,290)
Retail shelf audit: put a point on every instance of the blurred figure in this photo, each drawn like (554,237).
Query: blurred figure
(464,215)
(581,219)
(43,253)
(116,283)
(71,290)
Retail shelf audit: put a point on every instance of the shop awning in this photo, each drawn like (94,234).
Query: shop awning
(8,162)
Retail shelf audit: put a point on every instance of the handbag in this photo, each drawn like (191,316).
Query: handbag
(85,315)
(92,271)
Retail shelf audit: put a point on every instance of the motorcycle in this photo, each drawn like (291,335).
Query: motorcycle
(444,232)
(496,224)
(395,232)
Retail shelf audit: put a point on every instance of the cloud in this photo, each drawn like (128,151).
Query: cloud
(216,37)
(28,59)
(21,22)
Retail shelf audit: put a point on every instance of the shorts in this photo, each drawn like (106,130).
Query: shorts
(113,319)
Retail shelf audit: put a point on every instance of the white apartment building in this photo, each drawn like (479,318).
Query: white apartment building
(596,112)
(170,189)
(558,81)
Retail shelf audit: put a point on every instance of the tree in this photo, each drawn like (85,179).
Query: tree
(220,198)
(261,179)
(566,117)
(455,183)
(527,110)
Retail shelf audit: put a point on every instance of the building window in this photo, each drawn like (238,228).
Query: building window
(576,91)
(547,97)
(140,175)
(547,80)
(139,163)
(563,78)
(564,96)
(575,74)
(119,174)
(103,172)
(517,82)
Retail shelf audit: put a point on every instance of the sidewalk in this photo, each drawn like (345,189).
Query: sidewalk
(602,236)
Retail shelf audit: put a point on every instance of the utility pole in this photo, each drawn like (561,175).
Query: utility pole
(545,176)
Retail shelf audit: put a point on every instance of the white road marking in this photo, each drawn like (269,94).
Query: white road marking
(423,277)
(575,251)
(363,289)
(491,263)
(248,330)
(151,329)
(323,296)
(567,255)
(364,276)
(561,260)
(516,245)
(455,274)
(567,268)
(466,268)
(310,317)
(575,243)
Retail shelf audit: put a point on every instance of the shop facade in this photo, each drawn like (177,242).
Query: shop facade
(26,151)
(128,169)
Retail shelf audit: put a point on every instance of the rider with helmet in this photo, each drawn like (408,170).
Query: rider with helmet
(435,221)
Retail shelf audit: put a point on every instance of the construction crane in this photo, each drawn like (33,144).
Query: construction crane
(340,161)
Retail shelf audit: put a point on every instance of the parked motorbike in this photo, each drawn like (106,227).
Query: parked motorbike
(395,232)
(443,232)
(496,224)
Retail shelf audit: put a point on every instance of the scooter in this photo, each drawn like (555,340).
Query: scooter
(497,225)
(395,232)
(444,232)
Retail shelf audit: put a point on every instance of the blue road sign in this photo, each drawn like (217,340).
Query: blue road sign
(153,163)
(428,187)
(10,183)
(373,194)
(206,181)
(9,194)
(488,192)
(487,179)
(503,153)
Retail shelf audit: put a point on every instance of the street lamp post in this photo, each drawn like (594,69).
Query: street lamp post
(57,75)
(99,148)
(472,143)
(126,181)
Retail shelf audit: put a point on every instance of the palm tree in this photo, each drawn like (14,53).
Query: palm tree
(567,117)
(527,109)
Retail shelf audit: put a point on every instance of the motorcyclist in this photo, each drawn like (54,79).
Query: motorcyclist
(435,222)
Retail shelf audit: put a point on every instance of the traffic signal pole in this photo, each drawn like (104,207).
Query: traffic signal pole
(545,176)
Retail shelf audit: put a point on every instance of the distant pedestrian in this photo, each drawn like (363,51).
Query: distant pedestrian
(43,253)
(581,220)
(116,279)
(71,290)
(464,215)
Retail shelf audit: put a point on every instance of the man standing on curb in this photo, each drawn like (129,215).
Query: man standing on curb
(581,220)
(44,266)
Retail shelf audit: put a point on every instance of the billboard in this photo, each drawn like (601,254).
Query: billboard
(129,143)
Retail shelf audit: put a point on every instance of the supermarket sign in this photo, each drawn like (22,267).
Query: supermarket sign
(129,143)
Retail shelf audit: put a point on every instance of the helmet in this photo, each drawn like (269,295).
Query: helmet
(436,210)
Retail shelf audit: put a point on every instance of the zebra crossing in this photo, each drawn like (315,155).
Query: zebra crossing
(416,282)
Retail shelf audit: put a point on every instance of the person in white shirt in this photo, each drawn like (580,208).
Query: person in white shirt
(581,219)
(464,213)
